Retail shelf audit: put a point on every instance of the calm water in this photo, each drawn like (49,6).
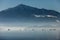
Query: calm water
(30,35)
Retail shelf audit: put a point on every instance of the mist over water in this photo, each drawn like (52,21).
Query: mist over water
(30,33)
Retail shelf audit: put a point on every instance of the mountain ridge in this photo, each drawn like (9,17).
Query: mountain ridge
(24,12)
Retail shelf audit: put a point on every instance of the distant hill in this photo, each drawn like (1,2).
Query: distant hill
(27,13)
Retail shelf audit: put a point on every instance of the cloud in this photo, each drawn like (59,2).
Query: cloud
(57,21)
(49,16)
(39,15)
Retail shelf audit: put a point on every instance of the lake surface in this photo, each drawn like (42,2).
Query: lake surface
(42,34)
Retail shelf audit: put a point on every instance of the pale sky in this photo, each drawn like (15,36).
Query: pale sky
(47,4)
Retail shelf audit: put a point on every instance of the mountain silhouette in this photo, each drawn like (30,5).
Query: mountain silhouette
(28,13)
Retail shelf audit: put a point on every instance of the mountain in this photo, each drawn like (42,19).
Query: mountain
(29,14)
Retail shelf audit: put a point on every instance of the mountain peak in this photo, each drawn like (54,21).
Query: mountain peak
(22,5)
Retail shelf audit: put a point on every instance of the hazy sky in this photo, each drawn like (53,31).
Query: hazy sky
(47,4)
